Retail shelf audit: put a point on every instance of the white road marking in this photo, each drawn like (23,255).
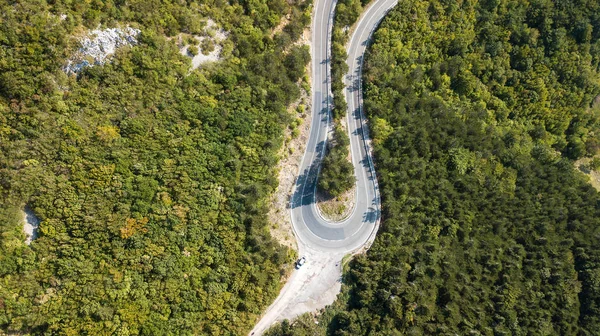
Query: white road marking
(317,283)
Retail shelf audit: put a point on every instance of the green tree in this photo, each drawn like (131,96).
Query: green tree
(337,172)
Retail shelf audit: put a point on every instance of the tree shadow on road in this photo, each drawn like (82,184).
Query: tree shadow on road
(307,180)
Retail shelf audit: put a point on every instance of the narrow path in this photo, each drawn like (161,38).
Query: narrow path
(325,243)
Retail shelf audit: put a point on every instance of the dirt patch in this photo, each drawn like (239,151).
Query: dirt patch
(338,208)
(284,21)
(203,49)
(305,40)
(594,175)
(310,288)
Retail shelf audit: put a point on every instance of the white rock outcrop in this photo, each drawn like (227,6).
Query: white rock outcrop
(98,45)
(30,225)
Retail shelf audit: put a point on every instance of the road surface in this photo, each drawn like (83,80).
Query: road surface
(310,228)
(325,243)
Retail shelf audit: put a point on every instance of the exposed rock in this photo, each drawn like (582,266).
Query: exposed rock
(200,57)
(30,225)
(98,45)
(214,33)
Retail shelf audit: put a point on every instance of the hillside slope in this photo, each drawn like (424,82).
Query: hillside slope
(151,181)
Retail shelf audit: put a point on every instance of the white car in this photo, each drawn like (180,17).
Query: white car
(300,262)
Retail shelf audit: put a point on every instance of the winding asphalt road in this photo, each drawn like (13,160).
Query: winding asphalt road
(324,243)
(360,227)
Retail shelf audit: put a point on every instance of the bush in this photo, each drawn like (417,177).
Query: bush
(207,46)
(192,50)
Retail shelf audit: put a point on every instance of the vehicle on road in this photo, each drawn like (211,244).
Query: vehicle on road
(300,262)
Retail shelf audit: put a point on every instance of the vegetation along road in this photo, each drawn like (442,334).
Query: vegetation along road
(327,242)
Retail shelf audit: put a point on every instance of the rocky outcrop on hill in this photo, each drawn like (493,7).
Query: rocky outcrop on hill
(98,45)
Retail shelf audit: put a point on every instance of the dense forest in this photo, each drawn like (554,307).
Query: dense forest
(477,109)
(151,182)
